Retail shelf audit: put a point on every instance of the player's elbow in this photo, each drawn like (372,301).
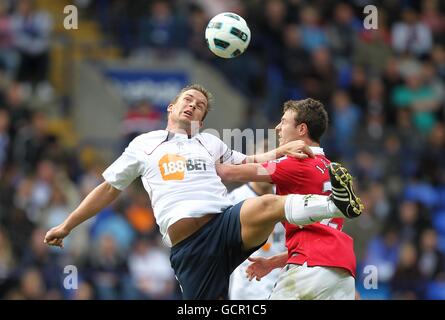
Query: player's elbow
(227,173)
(109,190)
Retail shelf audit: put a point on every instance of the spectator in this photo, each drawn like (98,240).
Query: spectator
(412,220)
(107,269)
(7,261)
(313,34)
(430,165)
(197,22)
(19,231)
(4,138)
(345,121)
(319,82)
(151,271)
(433,18)
(342,33)
(391,78)
(431,260)
(140,214)
(358,86)
(160,30)
(32,33)
(8,56)
(374,104)
(383,252)
(32,286)
(438,56)
(294,57)
(32,142)
(49,269)
(411,35)
(85,291)
(373,48)
(408,283)
(419,97)
(111,221)
(272,29)
(218,6)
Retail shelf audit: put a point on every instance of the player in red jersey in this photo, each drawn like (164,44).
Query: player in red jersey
(320,261)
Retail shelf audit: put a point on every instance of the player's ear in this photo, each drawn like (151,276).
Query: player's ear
(169,108)
(303,129)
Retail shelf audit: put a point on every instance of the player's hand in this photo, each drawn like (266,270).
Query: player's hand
(54,237)
(298,149)
(258,268)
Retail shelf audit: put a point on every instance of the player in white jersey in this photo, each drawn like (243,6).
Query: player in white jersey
(209,236)
(241,288)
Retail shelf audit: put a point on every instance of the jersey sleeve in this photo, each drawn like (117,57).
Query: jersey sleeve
(279,170)
(231,156)
(221,152)
(129,166)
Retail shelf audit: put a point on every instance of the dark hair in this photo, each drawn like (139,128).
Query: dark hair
(201,89)
(312,112)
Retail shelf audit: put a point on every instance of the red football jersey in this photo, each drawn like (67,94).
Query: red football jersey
(322,243)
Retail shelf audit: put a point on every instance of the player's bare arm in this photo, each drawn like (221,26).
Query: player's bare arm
(96,200)
(248,172)
(243,173)
(261,266)
(298,149)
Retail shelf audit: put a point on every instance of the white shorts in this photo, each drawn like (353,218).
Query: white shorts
(300,282)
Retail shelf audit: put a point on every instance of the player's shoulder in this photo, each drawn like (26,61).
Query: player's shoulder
(286,161)
(289,165)
(211,142)
(150,137)
(149,140)
(209,138)
(279,160)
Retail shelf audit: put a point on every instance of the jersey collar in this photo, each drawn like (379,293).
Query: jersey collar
(317,150)
(171,135)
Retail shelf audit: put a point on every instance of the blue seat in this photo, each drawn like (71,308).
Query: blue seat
(439,222)
(381,293)
(423,193)
(436,290)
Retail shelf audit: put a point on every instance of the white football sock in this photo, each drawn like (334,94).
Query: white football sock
(306,209)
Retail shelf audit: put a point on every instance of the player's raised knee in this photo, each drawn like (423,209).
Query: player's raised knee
(270,203)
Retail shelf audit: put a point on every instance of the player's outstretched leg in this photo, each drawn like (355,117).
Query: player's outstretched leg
(343,194)
(259,215)
(342,203)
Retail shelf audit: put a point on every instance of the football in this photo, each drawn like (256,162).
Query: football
(227,35)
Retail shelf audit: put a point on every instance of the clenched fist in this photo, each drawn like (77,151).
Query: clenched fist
(54,237)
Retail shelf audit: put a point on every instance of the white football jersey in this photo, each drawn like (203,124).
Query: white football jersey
(177,172)
(240,287)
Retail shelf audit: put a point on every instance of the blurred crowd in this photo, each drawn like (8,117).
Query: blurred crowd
(116,255)
(384,90)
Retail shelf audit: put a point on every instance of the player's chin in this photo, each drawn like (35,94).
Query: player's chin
(185,120)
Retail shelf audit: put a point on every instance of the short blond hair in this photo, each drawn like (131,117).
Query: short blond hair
(200,88)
